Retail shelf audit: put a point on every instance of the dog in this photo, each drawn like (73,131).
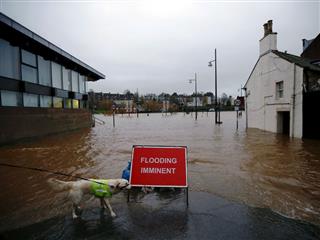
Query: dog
(102,189)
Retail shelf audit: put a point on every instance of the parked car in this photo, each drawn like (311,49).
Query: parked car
(211,110)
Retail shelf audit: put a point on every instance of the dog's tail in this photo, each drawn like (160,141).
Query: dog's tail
(59,185)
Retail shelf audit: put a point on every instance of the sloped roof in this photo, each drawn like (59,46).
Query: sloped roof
(300,61)
(313,50)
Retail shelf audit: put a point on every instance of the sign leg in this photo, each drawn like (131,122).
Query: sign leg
(187,197)
(128,196)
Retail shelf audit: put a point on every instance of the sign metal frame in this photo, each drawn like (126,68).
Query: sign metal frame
(186,186)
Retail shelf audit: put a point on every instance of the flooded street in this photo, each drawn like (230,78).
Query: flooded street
(254,168)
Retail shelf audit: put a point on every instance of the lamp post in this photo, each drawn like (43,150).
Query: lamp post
(216,108)
(195,88)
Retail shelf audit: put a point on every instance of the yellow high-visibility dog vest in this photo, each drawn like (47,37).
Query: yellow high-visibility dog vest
(100,190)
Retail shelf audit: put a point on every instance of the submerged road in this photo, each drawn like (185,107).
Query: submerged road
(243,184)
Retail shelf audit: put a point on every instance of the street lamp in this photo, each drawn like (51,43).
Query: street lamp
(216,108)
(195,88)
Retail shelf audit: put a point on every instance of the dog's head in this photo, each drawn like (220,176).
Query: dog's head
(117,185)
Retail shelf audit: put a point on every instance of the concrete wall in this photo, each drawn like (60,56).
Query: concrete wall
(18,123)
(263,105)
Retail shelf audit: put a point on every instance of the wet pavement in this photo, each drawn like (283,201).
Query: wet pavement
(165,215)
(251,184)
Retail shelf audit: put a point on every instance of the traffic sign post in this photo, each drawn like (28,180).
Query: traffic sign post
(113,113)
(237,103)
(159,166)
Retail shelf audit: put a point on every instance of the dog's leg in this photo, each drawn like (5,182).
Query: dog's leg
(102,204)
(107,203)
(76,211)
(76,197)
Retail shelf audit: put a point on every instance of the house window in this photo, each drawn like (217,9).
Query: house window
(29,67)
(9,60)
(29,74)
(67,103)
(57,102)
(9,98)
(30,100)
(75,103)
(66,79)
(56,75)
(75,81)
(279,90)
(44,71)
(82,83)
(45,101)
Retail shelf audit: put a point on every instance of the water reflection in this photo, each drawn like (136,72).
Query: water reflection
(259,168)
(284,174)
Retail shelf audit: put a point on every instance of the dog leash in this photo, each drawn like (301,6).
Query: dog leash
(49,171)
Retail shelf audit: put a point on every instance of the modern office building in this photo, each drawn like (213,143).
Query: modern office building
(43,89)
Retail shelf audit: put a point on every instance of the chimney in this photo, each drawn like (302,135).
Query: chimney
(270,26)
(265,26)
(269,40)
(306,43)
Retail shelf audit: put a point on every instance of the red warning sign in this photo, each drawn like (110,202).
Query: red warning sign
(159,166)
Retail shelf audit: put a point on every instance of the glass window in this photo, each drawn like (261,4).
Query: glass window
(75,103)
(66,79)
(44,71)
(29,74)
(9,98)
(67,103)
(28,58)
(30,100)
(56,75)
(279,90)
(45,101)
(75,83)
(9,60)
(85,84)
(57,102)
(81,104)
(81,83)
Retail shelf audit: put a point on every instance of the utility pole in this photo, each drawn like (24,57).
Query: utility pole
(195,82)
(217,107)
(196,93)
(215,86)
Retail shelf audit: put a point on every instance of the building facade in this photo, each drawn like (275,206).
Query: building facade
(276,90)
(43,89)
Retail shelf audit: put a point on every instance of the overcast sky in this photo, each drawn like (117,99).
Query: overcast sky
(156,46)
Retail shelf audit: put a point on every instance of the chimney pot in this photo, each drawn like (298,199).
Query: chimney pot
(265,26)
(270,26)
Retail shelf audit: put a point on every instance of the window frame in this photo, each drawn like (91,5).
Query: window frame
(28,65)
(279,90)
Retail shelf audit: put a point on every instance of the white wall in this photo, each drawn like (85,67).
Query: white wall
(262,102)
(268,43)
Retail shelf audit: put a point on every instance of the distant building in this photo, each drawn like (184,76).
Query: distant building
(283,89)
(165,105)
(196,101)
(126,104)
(43,89)
(150,96)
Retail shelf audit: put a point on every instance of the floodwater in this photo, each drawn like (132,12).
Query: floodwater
(255,168)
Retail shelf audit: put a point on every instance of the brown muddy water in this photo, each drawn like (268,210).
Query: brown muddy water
(253,167)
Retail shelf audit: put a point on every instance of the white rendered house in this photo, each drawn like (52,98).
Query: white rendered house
(277,87)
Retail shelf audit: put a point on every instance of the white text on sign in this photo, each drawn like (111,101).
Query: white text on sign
(155,170)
